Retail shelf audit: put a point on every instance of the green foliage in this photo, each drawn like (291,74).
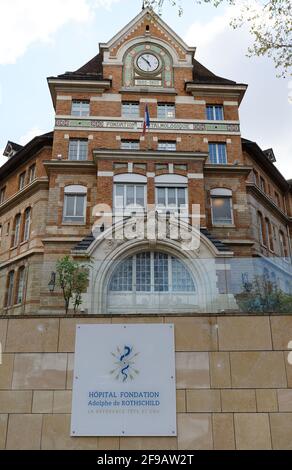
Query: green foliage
(263,296)
(269,23)
(72,278)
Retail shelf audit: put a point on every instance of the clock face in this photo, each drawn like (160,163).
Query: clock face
(148,62)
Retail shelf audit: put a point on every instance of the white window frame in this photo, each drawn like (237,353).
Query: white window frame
(32,173)
(27,222)
(168,206)
(74,190)
(214,107)
(163,109)
(10,289)
(131,109)
(166,146)
(78,150)
(221,193)
(216,144)
(20,285)
(21,182)
(80,110)
(130,207)
(16,236)
(130,145)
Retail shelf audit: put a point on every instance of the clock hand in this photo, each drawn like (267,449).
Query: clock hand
(147,61)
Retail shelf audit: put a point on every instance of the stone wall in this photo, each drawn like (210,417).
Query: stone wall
(234,383)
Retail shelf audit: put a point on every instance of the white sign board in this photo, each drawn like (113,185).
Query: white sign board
(124,381)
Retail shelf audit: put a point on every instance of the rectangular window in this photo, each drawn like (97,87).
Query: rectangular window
(166,111)
(31,173)
(121,166)
(80,108)
(161,167)
(215,113)
(20,286)
(21,182)
(140,166)
(16,230)
(167,146)
(130,145)
(222,210)
(74,208)
(78,149)
(262,184)
(171,197)
(9,300)
(131,109)
(180,167)
(218,154)
(2,195)
(129,195)
(26,230)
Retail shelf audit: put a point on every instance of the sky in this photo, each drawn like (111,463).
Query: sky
(45,38)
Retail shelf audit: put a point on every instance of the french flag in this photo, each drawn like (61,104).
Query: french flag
(146,124)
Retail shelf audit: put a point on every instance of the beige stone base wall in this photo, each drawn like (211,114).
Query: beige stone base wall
(234,383)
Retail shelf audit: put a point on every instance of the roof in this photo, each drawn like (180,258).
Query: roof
(263,158)
(11,148)
(203,75)
(92,70)
(24,153)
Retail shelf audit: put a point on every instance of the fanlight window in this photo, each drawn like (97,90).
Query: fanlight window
(151,272)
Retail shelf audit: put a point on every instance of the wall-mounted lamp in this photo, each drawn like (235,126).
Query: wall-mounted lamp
(52,283)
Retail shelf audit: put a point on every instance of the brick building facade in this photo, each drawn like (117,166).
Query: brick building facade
(58,191)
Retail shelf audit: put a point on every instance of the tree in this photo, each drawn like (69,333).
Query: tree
(269,23)
(73,278)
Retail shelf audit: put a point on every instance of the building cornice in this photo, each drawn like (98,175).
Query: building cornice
(266,200)
(23,194)
(86,165)
(25,254)
(215,90)
(239,169)
(70,84)
(149,154)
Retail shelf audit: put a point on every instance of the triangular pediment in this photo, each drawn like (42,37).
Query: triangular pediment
(137,28)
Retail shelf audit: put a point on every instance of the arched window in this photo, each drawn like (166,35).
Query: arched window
(10,289)
(75,204)
(269,235)
(221,204)
(151,272)
(20,285)
(262,232)
(27,220)
(16,235)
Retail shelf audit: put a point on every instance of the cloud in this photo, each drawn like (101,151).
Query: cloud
(24,22)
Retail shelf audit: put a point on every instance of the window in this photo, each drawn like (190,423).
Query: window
(10,286)
(17,221)
(131,109)
(269,234)
(218,154)
(215,112)
(262,232)
(262,184)
(283,246)
(166,111)
(21,182)
(171,197)
(130,144)
(31,173)
(20,286)
(121,166)
(7,228)
(161,166)
(167,146)
(27,219)
(129,195)
(75,204)
(2,195)
(151,272)
(221,204)
(255,177)
(140,166)
(80,108)
(78,149)
(180,167)
(277,197)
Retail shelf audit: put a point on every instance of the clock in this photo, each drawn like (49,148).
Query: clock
(148,62)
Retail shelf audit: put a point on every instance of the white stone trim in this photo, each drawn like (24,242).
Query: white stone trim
(230,103)
(66,136)
(130,167)
(178,139)
(171,179)
(148,100)
(205,140)
(150,175)
(105,173)
(170,168)
(199,102)
(130,178)
(155,139)
(118,137)
(184,100)
(228,141)
(75,188)
(107,97)
(195,176)
(64,98)
(90,137)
